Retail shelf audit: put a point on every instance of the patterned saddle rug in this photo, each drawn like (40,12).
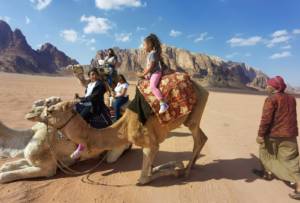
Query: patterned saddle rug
(177,89)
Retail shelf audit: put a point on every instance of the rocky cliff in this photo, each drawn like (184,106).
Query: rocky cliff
(17,56)
(210,71)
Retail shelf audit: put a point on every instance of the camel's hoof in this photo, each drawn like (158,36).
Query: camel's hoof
(143,181)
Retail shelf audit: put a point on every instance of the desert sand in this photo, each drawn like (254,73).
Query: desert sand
(222,174)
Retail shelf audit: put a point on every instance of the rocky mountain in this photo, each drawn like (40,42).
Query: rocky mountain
(210,71)
(17,56)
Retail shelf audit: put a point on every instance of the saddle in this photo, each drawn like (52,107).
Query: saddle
(177,89)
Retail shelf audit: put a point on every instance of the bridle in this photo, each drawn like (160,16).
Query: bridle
(67,122)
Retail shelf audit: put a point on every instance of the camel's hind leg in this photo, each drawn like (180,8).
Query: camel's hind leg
(28,172)
(14,165)
(199,141)
(193,123)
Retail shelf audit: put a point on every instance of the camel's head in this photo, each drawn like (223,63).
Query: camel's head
(34,114)
(38,107)
(59,114)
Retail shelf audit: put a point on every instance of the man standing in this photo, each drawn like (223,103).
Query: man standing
(277,136)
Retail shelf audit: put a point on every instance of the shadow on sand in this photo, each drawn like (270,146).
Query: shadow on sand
(232,169)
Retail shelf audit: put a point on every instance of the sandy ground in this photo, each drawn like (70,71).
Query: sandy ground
(222,174)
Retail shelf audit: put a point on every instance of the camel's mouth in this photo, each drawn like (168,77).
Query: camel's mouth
(35,113)
(32,116)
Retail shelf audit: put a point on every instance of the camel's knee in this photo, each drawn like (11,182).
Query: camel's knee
(203,135)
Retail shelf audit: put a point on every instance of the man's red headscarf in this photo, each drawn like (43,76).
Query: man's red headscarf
(277,83)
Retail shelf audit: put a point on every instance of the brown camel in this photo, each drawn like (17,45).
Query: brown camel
(130,130)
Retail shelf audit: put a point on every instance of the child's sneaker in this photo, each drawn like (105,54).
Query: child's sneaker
(163,108)
(76,154)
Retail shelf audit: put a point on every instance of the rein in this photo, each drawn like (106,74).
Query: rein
(63,167)
(68,121)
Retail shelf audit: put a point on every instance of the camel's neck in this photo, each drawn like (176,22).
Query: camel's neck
(106,138)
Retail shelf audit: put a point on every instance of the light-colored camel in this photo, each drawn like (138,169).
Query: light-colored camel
(32,146)
(129,129)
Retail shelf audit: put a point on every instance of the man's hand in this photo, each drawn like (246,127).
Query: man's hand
(76,96)
(260,140)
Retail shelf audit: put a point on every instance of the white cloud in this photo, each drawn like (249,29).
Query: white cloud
(123,37)
(279,33)
(248,54)
(96,24)
(69,35)
(203,37)
(281,55)
(5,18)
(118,4)
(278,37)
(175,33)
(296,31)
(240,42)
(286,47)
(138,28)
(278,40)
(27,20)
(41,4)
(232,55)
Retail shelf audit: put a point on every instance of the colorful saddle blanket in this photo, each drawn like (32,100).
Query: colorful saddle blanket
(177,89)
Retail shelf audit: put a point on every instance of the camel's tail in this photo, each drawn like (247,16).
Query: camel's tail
(13,142)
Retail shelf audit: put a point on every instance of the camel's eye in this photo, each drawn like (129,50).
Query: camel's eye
(50,110)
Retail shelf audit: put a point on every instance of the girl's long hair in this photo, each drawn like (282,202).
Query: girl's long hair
(123,78)
(111,53)
(156,45)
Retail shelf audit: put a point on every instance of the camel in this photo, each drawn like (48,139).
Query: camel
(32,146)
(130,130)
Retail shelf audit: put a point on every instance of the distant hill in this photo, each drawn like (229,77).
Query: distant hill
(210,71)
(17,56)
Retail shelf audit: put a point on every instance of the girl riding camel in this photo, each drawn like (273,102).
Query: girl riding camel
(120,96)
(154,68)
(111,61)
(92,103)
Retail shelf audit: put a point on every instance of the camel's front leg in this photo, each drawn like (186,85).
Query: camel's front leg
(148,158)
(29,172)
(14,165)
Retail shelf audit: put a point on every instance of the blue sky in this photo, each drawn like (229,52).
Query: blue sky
(262,33)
